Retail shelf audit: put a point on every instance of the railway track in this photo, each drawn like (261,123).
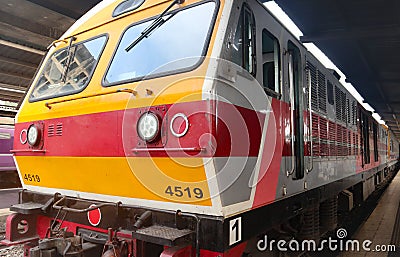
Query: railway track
(2,236)
(9,251)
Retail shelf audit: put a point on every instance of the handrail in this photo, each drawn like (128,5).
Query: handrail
(28,151)
(93,207)
(311,161)
(291,90)
(123,90)
(154,149)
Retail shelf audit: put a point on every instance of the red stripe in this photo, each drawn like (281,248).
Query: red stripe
(237,132)
(267,181)
(113,134)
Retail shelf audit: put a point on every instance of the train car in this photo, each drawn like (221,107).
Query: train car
(8,170)
(6,144)
(186,128)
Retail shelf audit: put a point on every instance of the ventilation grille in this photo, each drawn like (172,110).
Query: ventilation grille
(344,118)
(318,88)
(339,136)
(50,130)
(55,130)
(349,140)
(332,138)
(59,129)
(315,134)
(314,85)
(321,92)
(323,130)
(340,97)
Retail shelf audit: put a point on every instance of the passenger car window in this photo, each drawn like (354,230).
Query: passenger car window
(68,70)
(4,135)
(176,45)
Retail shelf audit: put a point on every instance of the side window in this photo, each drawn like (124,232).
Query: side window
(5,135)
(244,42)
(295,52)
(271,62)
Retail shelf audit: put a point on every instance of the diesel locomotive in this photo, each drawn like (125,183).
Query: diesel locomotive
(186,128)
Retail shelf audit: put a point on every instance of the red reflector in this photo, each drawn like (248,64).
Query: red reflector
(94,216)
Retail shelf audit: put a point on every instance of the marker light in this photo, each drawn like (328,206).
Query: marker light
(33,135)
(148,127)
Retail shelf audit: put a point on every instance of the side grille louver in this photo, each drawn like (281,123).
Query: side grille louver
(55,130)
(318,88)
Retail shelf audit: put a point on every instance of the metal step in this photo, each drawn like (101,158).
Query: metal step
(27,208)
(162,235)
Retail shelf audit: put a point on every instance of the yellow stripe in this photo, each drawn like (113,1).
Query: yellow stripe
(158,179)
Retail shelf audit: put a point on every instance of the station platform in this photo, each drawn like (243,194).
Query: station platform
(382,227)
(8,197)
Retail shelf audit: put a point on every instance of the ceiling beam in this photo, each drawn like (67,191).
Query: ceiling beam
(29,25)
(51,5)
(13,87)
(5,113)
(6,97)
(16,95)
(15,75)
(18,62)
(23,36)
(13,91)
(21,47)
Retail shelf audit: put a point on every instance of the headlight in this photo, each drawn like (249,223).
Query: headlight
(33,135)
(148,127)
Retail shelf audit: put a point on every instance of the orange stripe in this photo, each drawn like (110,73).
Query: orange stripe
(143,178)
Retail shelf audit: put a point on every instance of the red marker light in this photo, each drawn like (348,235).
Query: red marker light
(94,216)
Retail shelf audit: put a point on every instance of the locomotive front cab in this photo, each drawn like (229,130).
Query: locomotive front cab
(119,103)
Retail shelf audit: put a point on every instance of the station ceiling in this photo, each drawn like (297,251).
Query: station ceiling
(362,37)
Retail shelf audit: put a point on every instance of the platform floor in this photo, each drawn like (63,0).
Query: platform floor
(382,227)
(8,197)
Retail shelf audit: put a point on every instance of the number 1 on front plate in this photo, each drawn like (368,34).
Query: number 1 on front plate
(235,230)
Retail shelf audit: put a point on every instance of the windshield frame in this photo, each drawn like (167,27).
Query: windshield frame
(205,49)
(44,63)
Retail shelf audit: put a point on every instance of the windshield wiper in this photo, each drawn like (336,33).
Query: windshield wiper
(68,62)
(154,25)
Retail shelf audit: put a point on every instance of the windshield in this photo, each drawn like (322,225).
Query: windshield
(83,59)
(179,42)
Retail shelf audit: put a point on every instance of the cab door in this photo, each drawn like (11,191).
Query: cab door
(294,65)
